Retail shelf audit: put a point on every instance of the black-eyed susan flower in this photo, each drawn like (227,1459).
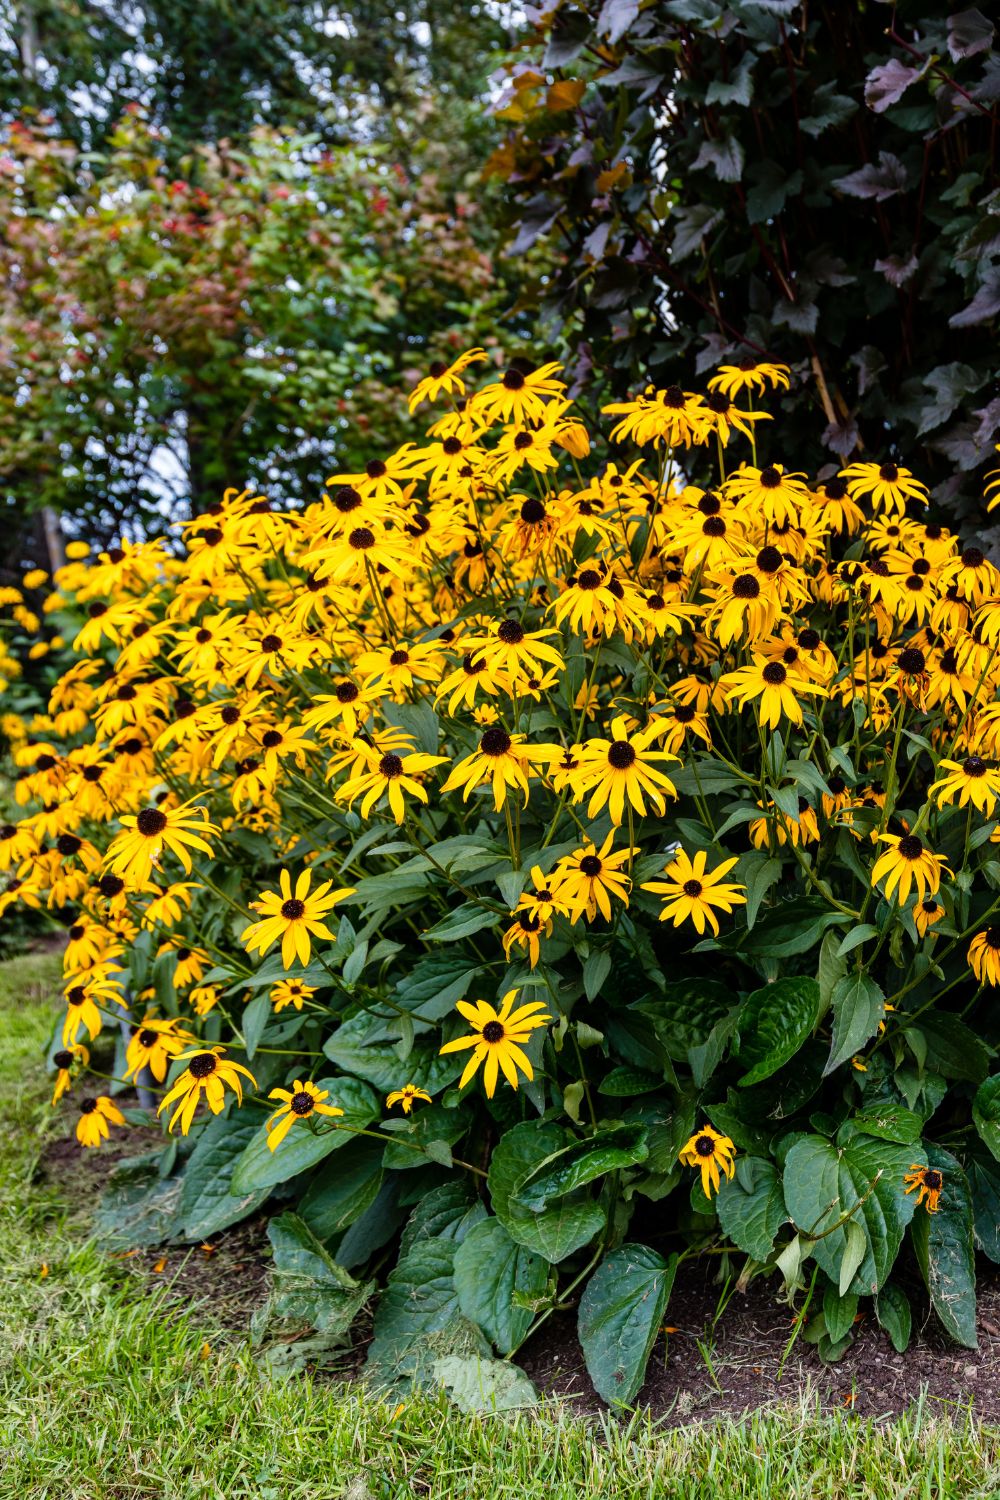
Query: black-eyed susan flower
(927,1183)
(503,760)
(907,862)
(692,893)
(133,853)
(154,1045)
(66,1062)
(587,880)
(208,1073)
(772,492)
(887,486)
(776,688)
(390,774)
(750,374)
(444,379)
(926,913)
(293,916)
(301,1102)
(971,780)
(96,1116)
(407,1096)
(497,1038)
(519,396)
(984,956)
(622,770)
(292,992)
(711,1153)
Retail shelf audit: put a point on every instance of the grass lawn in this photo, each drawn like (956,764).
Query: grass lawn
(106,1393)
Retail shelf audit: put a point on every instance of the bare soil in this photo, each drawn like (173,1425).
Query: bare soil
(701,1367)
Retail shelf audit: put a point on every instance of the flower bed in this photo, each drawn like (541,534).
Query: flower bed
(533,872)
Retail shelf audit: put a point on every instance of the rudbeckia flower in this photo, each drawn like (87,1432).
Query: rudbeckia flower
(907,862)
(443,379)
(749,375)
(407,1096)
(691,891)
(983,956)
(388,774)
(154,1045)
(970,780)
(293,917)
(300,1102)
(927,1183)
(290,992)
(518,396)
(622,769)
(65,1061)
(96,1115)
(888,486)
(588,879)
(710,1152)
(133,853)
(771,682)
(496,1039)
(208,1072)
(503,760)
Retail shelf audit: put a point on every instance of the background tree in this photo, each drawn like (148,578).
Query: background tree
(815,183)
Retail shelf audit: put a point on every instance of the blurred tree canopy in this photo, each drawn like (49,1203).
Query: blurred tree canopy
(204,70)
(227,228)
(817,183)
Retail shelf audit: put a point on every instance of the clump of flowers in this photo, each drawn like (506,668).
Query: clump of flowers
(614,818)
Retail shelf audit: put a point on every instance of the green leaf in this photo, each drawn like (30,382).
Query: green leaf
(138,1207)
(942,1243)
(566,1225)
(773,1023)
(206,1203)
(854,1254)
(686,1013)
(839,1311)
(790,928)
(889,1122)
(302,1148)
(751,1206)
(448,1212)
(253,1021)
(858,1006)
(986,1113)
(822,1182)
(342,1190)
(621,1312)
(418,1319)
(892,1308)
(308,1284)
(595,971)
(476,1384)
(581,1162)
(984,1182)
(952,1047)
(489,1269)
(463,922)
(361,1046)
(429,1128)
(626,1083)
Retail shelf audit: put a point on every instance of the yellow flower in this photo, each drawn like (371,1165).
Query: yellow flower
(132,854)
(984,956)
(587,879)
(970,780)
(771,682)
(208,1072)
(95,1117)
(691,891)
(907,862)
(709,1152)
(444,380)
(290,992)
(292,917)
(749,375)
(300,1102)
(622,769)
(502,759)
(65,1061)
(927,1183)
(887,485)
(496,1038)
(407,1097)
(154,1045)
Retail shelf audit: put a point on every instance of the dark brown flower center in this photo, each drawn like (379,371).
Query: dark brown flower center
(911,846)
(151,822)
(770,478)
(889,473)
(693,888)
(911,661)
(361,539)
(495,741)
(391,766)
(705,1146)
(203,1065)
(493,1032)
(63,1059)
(293,909)
(591,866)
(746,587)
(513,380)
(621,755)
(147,1038)
(933,1180)
(301,1104)
(974,766)
(511,633)
(774,674)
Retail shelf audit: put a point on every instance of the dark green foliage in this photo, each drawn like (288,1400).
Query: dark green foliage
(816,184)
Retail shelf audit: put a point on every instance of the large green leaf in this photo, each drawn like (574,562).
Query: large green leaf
(984,1181)
(490,1268)
(582,1162)
(567,1224)
(621,1312)
(858,1007)
(943,1245)
(302,1148)
(773,1023)
(892,1308)
(787,929)
(476,1384)
(986,1113)
(308,1283)
(433,1129)
(447,1212)
(360,1047)
(342,1190)
(418,1318)
(139,1207)
(822,1182)
(206,1203)
(751,1206)
(952,1048)
(684,1015)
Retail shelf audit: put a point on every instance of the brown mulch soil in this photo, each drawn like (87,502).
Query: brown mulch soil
(696,1371)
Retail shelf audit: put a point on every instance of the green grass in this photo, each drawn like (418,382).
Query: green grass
(109,1393)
